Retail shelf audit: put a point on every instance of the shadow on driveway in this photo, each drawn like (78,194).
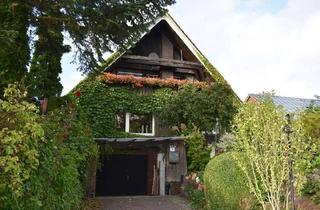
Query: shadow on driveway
(143,203)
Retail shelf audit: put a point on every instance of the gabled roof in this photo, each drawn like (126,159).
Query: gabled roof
(290,104)
(191,46)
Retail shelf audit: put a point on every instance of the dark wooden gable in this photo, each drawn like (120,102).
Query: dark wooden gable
(163,42)
(160,53)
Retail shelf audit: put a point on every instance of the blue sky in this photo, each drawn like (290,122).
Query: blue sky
(257,45)
(262,6)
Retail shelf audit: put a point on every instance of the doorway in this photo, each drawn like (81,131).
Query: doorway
(122,175)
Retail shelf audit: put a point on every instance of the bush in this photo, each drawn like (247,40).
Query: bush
(265,148)
(198,154)
(225,185)
(196,196)
(52,155)
(60,181)
(20,134)
(310,168)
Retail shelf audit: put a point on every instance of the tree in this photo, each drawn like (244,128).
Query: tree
(14,51)
(43,79)
(95,27)
(265,150)
(100,26)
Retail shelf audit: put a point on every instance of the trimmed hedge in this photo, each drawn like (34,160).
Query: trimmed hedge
(225,185)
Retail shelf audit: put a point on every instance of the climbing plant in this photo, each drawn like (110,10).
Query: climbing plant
(172,101)
(201,107)
(20,133)
(101,102)
(45,161)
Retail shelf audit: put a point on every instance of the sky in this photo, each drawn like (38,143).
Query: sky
(257,45)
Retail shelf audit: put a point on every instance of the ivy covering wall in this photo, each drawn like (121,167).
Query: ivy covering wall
(101,100)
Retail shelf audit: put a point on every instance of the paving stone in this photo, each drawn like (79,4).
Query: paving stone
(143,203)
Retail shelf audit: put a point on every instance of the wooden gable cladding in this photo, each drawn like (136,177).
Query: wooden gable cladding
(160,53)
(136,59)
(165,30)
(164,42)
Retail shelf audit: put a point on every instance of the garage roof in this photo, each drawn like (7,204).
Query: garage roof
(140,139)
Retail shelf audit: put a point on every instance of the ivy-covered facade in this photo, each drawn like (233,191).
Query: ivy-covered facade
(161,82)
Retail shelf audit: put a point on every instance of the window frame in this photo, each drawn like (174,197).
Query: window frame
(127,125)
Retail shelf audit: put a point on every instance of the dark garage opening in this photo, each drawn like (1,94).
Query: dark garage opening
(122,175)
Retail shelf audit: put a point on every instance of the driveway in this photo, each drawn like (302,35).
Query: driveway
(143,203)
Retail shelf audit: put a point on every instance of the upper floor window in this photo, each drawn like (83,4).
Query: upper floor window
(140,124)
(132,73)
(138,73)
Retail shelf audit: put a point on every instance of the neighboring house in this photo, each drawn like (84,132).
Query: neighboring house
(154,162)
(290,104)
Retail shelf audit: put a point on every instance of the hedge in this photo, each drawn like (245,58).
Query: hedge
(225,185)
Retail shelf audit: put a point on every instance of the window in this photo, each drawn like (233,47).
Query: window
(138,73)
(135,74)
(179,76)
(140,124)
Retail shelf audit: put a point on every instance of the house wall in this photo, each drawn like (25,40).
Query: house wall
(176,171)
(167,47)
(251,100)
(149,44)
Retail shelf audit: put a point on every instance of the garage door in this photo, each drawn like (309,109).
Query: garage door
(122,175)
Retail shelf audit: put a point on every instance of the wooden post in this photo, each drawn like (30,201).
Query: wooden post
(162,167)
(44,105)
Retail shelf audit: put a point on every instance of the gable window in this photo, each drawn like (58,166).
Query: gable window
(132,73)
(179,76)
(141,124)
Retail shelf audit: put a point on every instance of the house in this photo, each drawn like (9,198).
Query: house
(147,158)
(289,104)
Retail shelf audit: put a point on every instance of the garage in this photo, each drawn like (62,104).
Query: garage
(139,166)
(122,175)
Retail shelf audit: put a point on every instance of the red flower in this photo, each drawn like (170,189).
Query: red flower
(110,78)
(65,135)
(77,94)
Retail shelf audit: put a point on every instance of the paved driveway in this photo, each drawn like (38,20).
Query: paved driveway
(143,203)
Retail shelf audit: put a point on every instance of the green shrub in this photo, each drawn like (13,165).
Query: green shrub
(312,188)
(198,154)
(197,197)
(20,135)
(225,185)
(310,167)
(60,181)
(46,159)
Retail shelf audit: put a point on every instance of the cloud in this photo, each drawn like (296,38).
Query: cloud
(258,50)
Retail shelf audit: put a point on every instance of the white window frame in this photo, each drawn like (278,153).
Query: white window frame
(127,126)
